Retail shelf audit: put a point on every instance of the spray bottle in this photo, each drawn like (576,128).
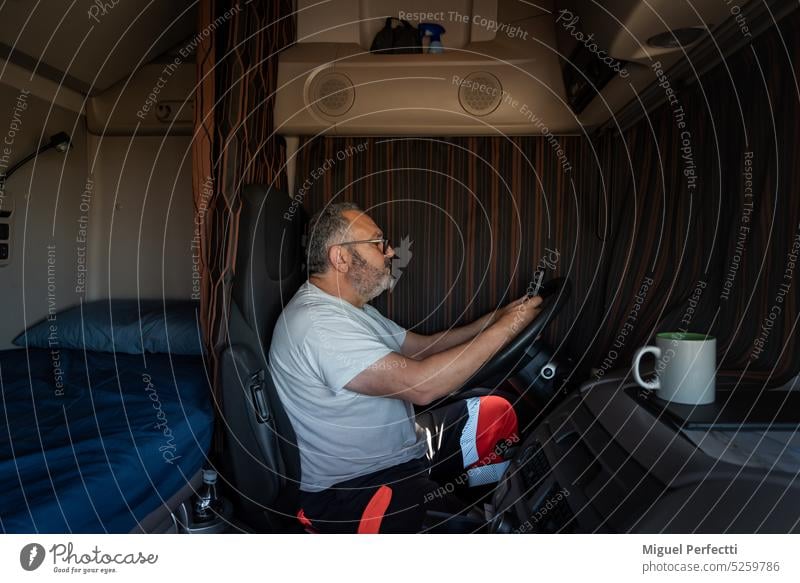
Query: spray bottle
(434,31)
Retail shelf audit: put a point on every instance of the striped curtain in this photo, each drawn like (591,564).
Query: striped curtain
(470,218)
(710,212)
(660,228)
(237,62)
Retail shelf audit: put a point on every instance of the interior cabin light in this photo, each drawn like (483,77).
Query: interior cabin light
(60,142)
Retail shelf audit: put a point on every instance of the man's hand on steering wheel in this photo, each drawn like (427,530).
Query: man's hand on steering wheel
(517,315)
(501,347)
(526,321)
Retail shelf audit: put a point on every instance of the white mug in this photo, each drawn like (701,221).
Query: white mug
(685,368)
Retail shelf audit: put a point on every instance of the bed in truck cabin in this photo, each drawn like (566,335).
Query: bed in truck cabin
(103,428)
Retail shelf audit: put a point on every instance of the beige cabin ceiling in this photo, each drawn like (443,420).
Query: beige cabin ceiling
(61,39)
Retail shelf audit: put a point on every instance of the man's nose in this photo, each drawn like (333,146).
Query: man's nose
(389,251)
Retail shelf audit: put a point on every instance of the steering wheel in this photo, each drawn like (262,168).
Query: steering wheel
(513,357)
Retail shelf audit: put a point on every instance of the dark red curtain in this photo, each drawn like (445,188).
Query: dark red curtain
(234,144)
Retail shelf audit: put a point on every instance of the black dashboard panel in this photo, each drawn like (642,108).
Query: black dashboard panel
(602,462)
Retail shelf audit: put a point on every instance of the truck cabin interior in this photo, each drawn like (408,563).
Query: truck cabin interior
(632,162)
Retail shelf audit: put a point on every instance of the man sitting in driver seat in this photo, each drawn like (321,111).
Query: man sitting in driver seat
(348,378)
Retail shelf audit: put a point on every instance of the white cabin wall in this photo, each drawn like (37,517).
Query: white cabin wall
(143,227)
(126,189)
(140,158)
(45,195)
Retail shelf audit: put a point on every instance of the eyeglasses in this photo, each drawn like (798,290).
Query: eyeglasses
(382,244)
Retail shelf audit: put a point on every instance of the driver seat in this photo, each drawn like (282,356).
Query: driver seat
(261,454)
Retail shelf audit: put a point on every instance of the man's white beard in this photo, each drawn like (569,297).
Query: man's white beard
(368,281)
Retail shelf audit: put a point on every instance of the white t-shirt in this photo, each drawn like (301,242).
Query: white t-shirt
(321,343)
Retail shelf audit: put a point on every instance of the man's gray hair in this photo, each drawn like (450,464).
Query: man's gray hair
(327,228)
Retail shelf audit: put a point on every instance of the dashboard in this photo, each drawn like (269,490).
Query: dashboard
(603,461)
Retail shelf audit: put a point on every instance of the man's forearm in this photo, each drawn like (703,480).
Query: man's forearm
(422,381)
(444,372)
(447,339)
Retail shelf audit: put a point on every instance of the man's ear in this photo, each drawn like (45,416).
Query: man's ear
(338,258)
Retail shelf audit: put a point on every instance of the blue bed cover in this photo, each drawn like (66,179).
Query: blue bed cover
(94,442)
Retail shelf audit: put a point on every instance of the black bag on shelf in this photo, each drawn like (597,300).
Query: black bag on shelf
(402,39)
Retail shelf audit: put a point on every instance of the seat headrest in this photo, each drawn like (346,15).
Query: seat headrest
(278,222)
(270,255)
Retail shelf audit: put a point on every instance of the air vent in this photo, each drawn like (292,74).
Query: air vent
(535,467)
(332,94)
(480,93)
(5,237)
(551,513)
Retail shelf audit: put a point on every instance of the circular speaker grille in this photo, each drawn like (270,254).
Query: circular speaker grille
(332,94)
(480,93)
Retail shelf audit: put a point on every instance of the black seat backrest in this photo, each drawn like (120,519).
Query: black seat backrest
(260,446)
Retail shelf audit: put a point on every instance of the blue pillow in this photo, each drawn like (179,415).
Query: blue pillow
(138,326)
